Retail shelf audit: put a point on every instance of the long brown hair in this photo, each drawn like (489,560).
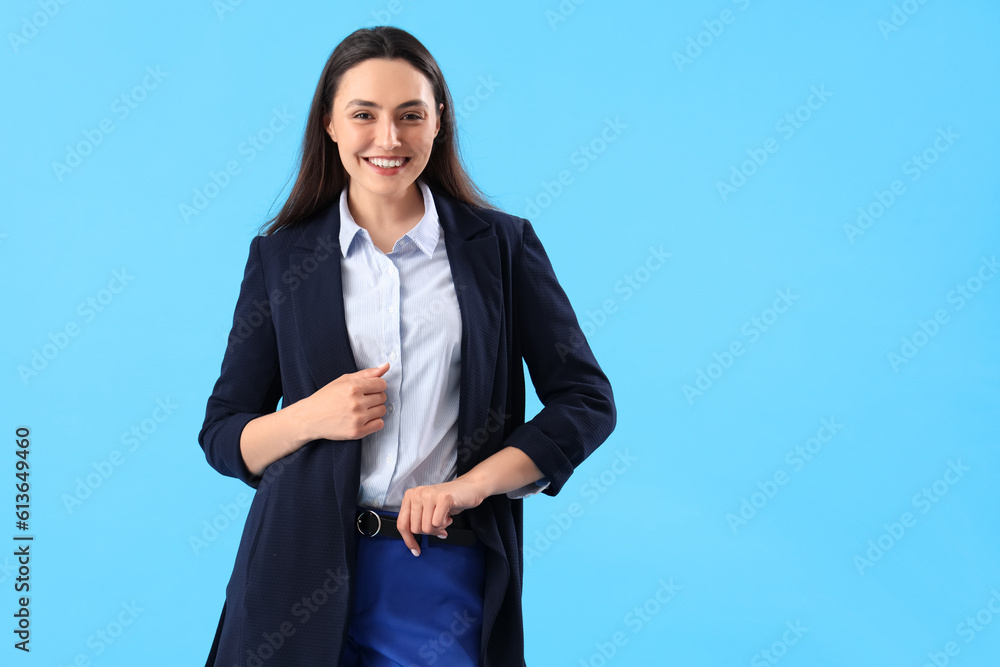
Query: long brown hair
(321,174)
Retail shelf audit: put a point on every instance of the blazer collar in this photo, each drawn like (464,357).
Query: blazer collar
(473,253)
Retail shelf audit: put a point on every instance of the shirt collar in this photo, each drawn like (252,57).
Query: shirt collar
(425,234)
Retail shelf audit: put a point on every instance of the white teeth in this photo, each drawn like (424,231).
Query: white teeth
(386,164)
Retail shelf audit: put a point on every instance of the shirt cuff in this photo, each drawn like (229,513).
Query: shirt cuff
(528,489)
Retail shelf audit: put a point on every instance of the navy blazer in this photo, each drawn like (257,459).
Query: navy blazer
(288,599)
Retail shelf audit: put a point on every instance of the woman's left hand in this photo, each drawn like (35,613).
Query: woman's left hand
(428,509)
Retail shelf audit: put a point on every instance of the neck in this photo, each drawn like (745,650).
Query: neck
(388,212)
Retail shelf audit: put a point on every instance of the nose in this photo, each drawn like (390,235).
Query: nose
(386,136)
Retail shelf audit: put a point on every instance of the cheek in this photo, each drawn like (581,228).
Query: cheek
(426,142)
(347,148)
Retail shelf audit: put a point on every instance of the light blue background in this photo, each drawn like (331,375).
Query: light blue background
(663,517)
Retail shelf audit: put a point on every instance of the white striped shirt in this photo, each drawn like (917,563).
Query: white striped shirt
(402,308)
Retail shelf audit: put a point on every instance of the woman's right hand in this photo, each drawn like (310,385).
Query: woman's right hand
(350,407)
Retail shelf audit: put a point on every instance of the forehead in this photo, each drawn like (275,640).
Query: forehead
(384,81)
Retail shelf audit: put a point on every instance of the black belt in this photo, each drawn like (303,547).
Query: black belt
(371,524)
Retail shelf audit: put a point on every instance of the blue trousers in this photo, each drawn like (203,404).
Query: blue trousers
(415,611)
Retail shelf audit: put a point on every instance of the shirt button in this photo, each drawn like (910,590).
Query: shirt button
(392,356)
(388,458)
(390,408)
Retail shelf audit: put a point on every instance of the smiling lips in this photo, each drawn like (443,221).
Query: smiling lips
(387,163)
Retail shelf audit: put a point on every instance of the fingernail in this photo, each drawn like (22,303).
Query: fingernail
(441,536)
(414,552)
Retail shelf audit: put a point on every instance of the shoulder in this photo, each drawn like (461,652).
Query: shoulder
(503,223)
(509,228)
(316,233)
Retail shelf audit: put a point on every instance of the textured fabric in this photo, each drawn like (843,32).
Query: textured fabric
(408,611)
(295,564)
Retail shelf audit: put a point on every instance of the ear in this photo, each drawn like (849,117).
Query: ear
(437,126)
(328,126)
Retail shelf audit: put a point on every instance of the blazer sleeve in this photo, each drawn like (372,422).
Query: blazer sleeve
(249,383)
(579,410)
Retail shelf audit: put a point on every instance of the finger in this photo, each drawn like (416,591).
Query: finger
(427,526)
(371,426)
(369,382)
(443,533)
(442,515)
(376,371)
(373,401)
(403,526)
(373,388)
(375,412)
(416,512)
(403,518)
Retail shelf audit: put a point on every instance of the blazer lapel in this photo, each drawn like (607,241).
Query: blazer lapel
(473,253)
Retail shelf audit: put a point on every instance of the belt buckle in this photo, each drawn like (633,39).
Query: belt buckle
(365,518)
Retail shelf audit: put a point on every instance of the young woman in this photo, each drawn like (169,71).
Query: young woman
(389,306)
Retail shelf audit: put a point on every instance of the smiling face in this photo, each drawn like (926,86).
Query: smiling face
(383,115)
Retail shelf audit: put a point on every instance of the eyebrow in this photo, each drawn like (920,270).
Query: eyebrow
(373,105)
